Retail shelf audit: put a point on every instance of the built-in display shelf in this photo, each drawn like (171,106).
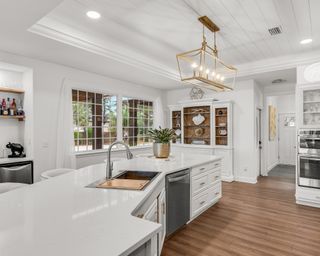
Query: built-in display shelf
(19,118)
(11,90)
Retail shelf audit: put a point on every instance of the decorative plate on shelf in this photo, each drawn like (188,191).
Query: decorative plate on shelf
(198,132)
(198,119)
(178,132)
(223,132)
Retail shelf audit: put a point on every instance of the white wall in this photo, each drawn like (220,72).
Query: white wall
(243,127)
(47,81)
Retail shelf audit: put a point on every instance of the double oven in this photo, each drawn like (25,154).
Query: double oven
(309,158)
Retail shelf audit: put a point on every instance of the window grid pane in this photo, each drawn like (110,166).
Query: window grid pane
(137,119)
(94,120)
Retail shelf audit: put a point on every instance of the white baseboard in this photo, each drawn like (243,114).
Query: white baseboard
(308,203)
(227,178)
(246,179)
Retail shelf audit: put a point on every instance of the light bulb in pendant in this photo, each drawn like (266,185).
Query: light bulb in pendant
(222,78)
(194,65)
(200,68)
(207,71)
(213,73)
(218,76)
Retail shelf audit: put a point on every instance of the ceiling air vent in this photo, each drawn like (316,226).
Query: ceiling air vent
(275,31)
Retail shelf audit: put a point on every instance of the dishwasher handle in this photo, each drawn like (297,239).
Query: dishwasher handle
(179,178)
(16,168)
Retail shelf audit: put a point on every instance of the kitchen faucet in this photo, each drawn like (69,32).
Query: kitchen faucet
(109,163)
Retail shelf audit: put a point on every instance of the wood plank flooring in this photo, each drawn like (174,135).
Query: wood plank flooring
(252,220)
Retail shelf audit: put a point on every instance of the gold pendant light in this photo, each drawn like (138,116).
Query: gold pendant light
(202,67)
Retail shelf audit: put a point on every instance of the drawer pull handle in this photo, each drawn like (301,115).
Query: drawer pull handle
(216,165)
(140,215)
(203,168)
(217,193)
(217,177)
(202,202)
(202,183)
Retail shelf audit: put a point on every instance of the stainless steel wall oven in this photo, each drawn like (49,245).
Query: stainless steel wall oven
(309,158)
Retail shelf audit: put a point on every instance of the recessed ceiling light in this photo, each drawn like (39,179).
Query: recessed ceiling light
(306,41)
(93,15)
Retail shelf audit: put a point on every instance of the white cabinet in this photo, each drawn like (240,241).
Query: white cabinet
(308,99)
(162,218)
(205,187)
(216,131)
(226,163)
(152,215)
(154,209)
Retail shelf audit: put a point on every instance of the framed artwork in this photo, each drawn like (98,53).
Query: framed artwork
(272,123)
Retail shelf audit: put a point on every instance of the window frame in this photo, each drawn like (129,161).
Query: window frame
(119,97)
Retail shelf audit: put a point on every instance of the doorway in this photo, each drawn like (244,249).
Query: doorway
(287,139)
(259,140)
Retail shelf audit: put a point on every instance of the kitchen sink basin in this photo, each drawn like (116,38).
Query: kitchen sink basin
(130,180)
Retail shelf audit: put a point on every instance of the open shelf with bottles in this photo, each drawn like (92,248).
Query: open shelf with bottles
(11,103)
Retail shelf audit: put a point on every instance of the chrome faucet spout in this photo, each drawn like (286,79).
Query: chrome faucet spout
(109,163)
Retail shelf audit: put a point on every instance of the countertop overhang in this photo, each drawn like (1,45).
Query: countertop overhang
(61,216)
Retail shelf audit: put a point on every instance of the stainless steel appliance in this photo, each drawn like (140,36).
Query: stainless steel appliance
(309,141)
(178,200)
(21,172)
(309,158)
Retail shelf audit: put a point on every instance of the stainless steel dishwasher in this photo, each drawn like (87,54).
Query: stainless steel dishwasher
(178,200)
(21,172)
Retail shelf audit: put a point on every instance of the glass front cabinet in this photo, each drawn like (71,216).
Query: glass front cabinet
(309,106)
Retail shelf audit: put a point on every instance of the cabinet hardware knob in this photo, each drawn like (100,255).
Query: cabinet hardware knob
(217,177)
(217,193)
(201,169)
(202,202)
(202,183)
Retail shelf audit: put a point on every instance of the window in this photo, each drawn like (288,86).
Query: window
(94,120)
(137,119)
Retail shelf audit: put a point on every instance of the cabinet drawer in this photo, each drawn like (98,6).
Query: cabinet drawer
(206,167)
(214,177)
(199,203)
(199,183)
(214,193)
(204,199)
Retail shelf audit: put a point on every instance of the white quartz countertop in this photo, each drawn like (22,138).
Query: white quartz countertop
(61,216)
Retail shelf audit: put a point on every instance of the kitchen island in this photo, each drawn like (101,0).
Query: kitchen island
(62,216)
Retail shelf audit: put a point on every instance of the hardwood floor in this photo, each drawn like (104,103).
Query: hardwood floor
(252,220)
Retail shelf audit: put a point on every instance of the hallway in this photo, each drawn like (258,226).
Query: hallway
(282,170)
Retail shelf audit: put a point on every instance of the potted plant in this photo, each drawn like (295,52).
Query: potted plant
(161,141)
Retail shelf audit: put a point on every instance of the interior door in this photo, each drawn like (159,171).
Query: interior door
(287,139)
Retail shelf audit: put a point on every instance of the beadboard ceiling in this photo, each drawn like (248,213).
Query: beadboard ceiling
(146,35)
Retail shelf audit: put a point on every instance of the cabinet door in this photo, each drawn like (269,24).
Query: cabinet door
(162,217)
(152,215)
(309,106)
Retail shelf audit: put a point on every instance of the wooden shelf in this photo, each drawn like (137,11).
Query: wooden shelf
(201,113)
(11,90)
(19,118)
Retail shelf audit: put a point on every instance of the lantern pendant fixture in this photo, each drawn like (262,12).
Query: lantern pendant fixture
(202,67)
